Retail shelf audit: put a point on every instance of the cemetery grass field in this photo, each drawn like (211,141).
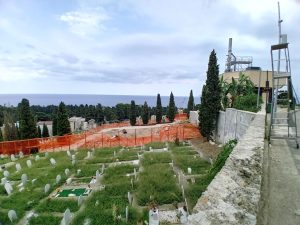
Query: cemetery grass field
(158,177)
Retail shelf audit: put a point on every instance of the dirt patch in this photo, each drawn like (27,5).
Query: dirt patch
(207,149)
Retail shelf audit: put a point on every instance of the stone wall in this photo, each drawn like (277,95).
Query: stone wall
(232,197)
(233,124)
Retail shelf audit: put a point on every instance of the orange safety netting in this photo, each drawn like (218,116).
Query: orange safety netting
(108,135)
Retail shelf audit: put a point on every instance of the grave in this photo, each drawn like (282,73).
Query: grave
(13,158)
(12,215)
(58,178)
(29,164)
(18,167)
(52,161)
(74,192)
(37,158)
(67,217)
(24,179)
(47,188)
(8,188)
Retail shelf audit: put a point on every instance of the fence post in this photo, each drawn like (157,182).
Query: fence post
(85,139)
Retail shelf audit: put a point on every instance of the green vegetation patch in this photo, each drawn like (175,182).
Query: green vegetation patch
(47,219)
(157,157)
(57,205)
(76,192)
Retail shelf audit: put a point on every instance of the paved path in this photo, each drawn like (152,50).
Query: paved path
(281,184)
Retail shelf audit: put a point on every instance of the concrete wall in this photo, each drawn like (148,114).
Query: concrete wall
(232,197)
(194,117)
(233,124)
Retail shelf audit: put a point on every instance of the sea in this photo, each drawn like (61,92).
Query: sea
(104,100)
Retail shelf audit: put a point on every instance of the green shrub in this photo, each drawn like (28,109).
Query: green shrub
(155,145)
(247,103)
(157,157)
(57,205)
(45,220)
(198,165)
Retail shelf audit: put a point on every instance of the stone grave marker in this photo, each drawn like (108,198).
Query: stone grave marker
(47,188)
(73,157)
(33,180)
(182,191)
(58,178)
(6,173)
(67,171)
(69,180)
(53,162)
(150,149)
(97,175)
(88,155)
(78,171)
(73,162)
(18,167)
(102,170)
(79,200)
(69,153)
(129,196)
(135,174)
(37,158)
(24,179)
(189,169)
(126,214)
(46,154)
(114,153)
(12,215)
(67,217)
(131,181)
(3,180)
(29,164)
(21,154)
(8,188)
(12,157)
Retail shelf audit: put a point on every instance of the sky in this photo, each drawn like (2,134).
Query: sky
(134,47)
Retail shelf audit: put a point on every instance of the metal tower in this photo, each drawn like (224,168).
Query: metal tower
(283,116)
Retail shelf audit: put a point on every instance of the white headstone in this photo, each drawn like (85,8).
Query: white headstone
(21,154)
(135,174)
(47,188)
(73,157)
(67,171)
(37,158)
(73,162)
(18,167)
(131,183)
(58,178)
(8,188)
(3,180)
(46,154)
(12,157)
(6,173)
(12,215)
(53,162)
(69,153)
(24,179)
(126,214)
(189,169)
(114,153)
(69,180)
(182,190)
(150,149)
(129,196)
(97,175)
(33,180)
(79,200)
(88,154)
(102,170)
(78,171)
(67,217)
(29,164)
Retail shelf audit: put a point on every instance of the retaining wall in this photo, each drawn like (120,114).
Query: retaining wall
(232,197)
(233,124)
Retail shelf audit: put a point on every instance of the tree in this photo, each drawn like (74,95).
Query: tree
(27,124)
(210,99)
(99,114)
(158,109)
(132,113)
(10,132)
(191,104)
(145,115)
(63,124)
(171,108)
(1,136)
(54,122)
(39,132)
(45,132)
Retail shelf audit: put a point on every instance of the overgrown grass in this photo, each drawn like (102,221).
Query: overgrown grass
(157,157)
(195,190)
(157,183)
(57,205)
(197,164)
(155,145)
(45,219)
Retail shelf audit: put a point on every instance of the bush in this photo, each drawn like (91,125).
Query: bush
(45,220)
(247,103)
(57,205)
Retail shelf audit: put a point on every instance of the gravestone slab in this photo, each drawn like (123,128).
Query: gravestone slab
(24,179)
(29,164)
(79,200)
(13,158)
(69,153)
(53,162)
(69,180)
(37,158)
(58,178)
(189,169)
(78,171)
(3,180)
(97,175)
(6,173)
(12,215)
(102,169)
(18,167)
(8,188)
(73,162)
(67,171)
(67,217)
(73,157)
(47,188)
(21,154)
(46,154)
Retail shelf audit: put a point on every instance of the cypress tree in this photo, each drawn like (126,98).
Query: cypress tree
(27,124)
(10,131)
(171,108)
(39,132)
(1,136)
(210,99)
(191,104)
(45,132)
(99,114)
(63,124)
(145,115)
(158,109)
(132,113)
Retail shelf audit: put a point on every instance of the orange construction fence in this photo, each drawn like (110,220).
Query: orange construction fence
(119,134)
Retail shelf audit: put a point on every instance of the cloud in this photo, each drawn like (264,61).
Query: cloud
(86,21)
